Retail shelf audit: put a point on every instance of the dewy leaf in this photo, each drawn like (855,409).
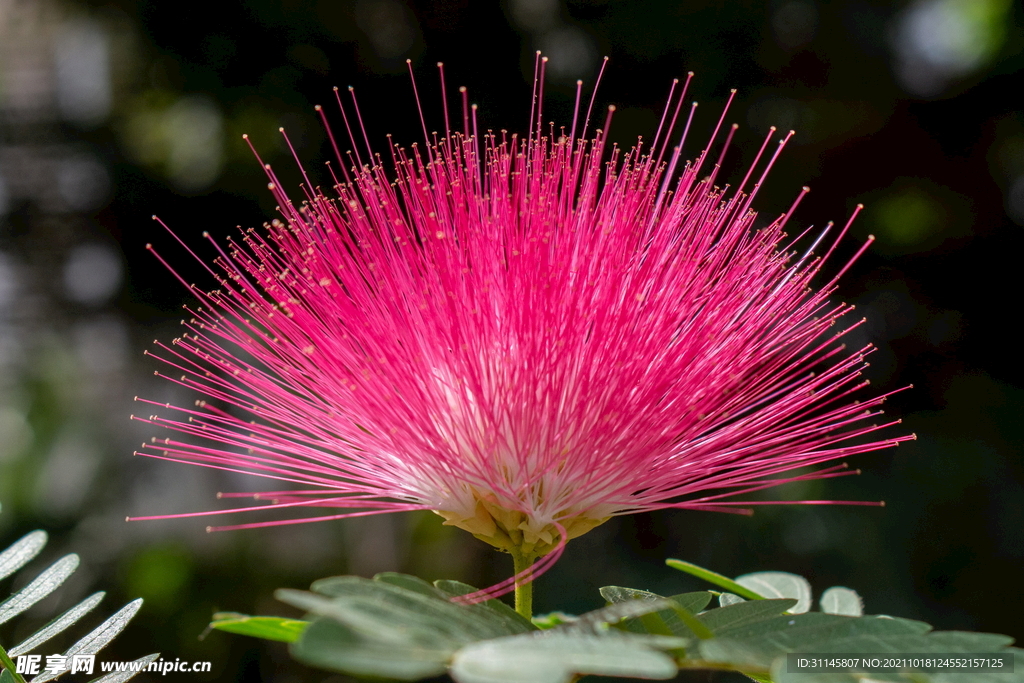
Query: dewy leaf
(133,670)
(715,578)
(558,658)
(44,584)
(20,552)
(97,639)
(267,628)
(57,625)
(840,600)
(779,585)
(327,644)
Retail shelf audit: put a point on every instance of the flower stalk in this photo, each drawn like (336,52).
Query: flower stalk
(524,589)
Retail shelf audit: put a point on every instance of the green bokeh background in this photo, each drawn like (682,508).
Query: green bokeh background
(913,109)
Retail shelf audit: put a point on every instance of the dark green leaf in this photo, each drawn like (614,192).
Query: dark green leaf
(558,658)
(7,677)
(743,613)
(692,602)
(326,644)
(378,605)
(758,644)
(391,627)
(678,620)
(453,589)
(267,628)
(409,582)
(597,621)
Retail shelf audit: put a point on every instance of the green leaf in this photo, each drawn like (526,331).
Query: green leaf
(558,658)
(326,644)
(452,589)
(393,627)
(715,578)
(7,677)
(840,600)
(759,643)
(596,622)
(553,619)
(678,620)
(409,582)
(780,585)
(723,619)
(267,628)
(380,609)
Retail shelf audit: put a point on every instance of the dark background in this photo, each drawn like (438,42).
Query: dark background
(113,111)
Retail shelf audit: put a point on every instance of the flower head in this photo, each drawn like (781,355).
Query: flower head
(525,335)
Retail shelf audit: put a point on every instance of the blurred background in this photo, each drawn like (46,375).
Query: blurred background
(113,110)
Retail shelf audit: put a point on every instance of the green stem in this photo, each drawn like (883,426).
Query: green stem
(524,591)
(5,662)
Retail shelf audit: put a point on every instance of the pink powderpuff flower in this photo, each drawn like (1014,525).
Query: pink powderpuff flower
(525,336)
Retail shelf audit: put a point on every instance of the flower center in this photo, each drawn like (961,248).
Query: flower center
(518,531)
